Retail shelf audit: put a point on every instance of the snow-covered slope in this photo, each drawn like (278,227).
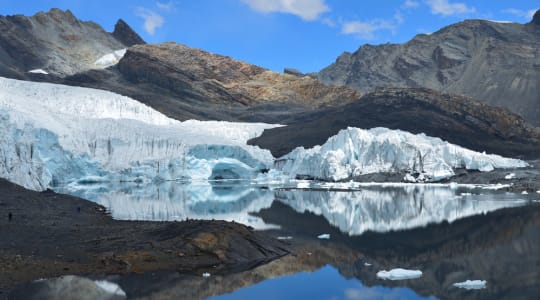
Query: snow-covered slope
(110,59)
(52,134)
(353,152)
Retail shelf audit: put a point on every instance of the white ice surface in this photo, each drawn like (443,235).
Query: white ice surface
(510,176)
(54,134)
(471,284)
(110,59)
(38,71)
(110,287)
(324,236)
(354,152)
(399,274)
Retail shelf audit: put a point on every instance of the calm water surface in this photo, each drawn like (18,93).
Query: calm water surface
(451,234)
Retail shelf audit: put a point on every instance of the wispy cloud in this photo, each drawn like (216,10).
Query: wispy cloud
(366,30)
(446,8)
(308,10)
(168,6)
(152,20)
(525,14)
(411,4)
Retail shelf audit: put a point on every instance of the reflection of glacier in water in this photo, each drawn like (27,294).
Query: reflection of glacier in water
(373,208)
(170,201)
(394,208)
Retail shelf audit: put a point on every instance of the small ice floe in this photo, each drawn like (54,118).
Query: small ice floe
(524,193)
(466,194)
(399,274)
(510,176)
(471,284)
(367,264)
(324,236)
(284,237)
(38,71)
(538,192)
(205,274)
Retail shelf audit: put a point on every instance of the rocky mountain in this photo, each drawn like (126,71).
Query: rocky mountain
(495,62)
(457,119)
(187,83)
(57,43)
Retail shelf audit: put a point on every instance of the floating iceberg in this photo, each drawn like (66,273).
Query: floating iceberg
(399,274)
(354,152)
(324,236)
(471,284)
(56,135)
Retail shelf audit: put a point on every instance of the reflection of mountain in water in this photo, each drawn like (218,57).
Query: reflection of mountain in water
(388,209)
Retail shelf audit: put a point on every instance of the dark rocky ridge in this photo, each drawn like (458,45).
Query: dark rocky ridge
(55,41)
(497,63)
(51,234)
(127,36)
(457,119)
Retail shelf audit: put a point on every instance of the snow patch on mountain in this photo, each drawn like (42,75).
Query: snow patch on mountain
(110,59)
(54,134)
(354,152)
(38,71)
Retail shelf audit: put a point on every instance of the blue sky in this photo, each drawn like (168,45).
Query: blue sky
(303,34)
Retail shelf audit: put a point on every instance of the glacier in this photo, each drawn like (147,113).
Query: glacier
(354,152)
(56,135)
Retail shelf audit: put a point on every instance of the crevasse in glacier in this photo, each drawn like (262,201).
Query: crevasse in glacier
(54,134)
(354,152)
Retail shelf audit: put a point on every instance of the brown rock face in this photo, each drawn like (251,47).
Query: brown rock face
(496,63)
(194,73)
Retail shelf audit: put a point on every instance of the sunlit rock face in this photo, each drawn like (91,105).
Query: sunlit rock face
(354,152)
(55,135)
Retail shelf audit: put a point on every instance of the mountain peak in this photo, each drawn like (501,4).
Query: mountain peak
(126,35)
(536,18)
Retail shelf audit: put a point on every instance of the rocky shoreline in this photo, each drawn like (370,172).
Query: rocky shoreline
(44,235)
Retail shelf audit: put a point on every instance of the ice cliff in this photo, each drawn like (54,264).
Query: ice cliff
(354,152)
(54,134)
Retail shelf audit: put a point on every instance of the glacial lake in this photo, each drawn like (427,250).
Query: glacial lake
(451,233)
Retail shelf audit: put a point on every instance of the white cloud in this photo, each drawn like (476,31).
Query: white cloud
(410,4)
(308,10)
(445,8)
(526,14)
(168,7)
(152,20)
(366,30)
(328,22)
